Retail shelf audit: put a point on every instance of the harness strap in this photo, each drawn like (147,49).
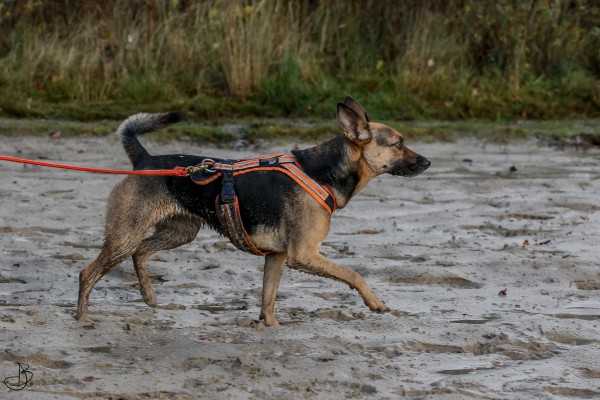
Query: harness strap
(231,221)
(284,163)
(226,204)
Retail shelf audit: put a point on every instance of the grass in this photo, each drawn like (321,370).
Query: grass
(231,132)
(273,58)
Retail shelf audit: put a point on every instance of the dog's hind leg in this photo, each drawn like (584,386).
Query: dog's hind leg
(169,234)
(134,206)
(111,255)
(274,263)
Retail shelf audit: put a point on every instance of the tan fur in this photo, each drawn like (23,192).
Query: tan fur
(303,254)
(274,264)
(127,222)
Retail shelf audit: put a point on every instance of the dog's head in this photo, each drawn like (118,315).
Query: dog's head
(382,149)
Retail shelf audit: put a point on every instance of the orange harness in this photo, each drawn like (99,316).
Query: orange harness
(227,205)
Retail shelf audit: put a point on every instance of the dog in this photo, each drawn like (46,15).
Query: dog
(280,216)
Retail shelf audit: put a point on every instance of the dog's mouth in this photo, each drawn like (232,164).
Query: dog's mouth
(410,169)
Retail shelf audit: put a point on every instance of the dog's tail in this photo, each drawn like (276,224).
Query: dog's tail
(139,124)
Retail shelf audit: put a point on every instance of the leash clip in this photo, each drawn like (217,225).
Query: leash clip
(201,167)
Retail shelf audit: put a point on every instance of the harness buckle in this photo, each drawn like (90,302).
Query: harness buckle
(228,190)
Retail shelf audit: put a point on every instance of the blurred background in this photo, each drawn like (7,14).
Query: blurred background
(404,60)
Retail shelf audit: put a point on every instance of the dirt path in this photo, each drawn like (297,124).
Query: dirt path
(439,249)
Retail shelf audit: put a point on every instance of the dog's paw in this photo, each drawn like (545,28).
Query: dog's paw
(378,306)
(83,318)
(151,301)
(383,309)
(148,295)
(269,320)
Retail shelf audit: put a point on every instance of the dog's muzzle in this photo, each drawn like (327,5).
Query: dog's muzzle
(410,169)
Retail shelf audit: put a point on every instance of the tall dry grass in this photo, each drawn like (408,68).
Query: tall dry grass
(454,59)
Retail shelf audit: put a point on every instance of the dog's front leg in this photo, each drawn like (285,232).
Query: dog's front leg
(274,263)
(317,264)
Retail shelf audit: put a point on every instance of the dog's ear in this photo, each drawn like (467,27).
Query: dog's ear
(357,108)
(355,127)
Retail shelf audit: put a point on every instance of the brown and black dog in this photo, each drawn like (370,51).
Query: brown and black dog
(279,216)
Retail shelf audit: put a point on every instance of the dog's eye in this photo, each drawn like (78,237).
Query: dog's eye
(399,144)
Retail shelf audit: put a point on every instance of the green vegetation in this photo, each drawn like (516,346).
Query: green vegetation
(241,133)
(404,60)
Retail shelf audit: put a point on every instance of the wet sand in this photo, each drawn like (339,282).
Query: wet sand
(489,262)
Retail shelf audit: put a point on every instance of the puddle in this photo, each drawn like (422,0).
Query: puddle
(464,371)
(212,308)
(480,321)
(97,349)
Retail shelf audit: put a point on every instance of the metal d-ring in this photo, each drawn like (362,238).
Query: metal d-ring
(205,167)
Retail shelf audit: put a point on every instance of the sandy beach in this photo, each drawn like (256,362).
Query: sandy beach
(489,262)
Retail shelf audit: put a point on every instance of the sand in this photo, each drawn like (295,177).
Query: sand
(488,261)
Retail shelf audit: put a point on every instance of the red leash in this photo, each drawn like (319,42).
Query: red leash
(177,171)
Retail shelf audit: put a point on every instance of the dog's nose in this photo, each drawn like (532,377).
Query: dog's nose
(425,162)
